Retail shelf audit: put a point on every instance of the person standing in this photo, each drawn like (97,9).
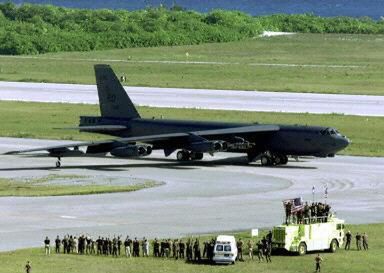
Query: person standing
(28,267)
(260,251)
(358,241)
(365,241)
(57,244)
(240,250)
(250,249)
(318,261)
(348,237)
(127,245)
(47,246)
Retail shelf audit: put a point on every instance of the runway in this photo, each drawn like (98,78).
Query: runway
(204,99)
(221,193)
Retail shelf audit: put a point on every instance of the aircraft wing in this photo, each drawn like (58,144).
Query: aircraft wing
(160,137)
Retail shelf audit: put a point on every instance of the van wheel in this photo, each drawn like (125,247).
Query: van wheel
(302,249)
(333,246)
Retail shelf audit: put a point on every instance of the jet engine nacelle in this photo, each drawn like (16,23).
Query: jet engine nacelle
(208,146)
(131,151)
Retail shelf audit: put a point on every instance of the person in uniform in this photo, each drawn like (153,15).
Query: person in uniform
(268,252)
(365,241)
(348,239)
(57,244)
(196,250)
(318,261)
(260,251)
(250,249)
(240,250)
(65,244)
(47,246)
(181,249)
(307,213)
(358,241)
(288,211)
(156,248)
(28,267)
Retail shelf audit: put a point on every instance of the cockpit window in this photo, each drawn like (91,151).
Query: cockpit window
(329,131)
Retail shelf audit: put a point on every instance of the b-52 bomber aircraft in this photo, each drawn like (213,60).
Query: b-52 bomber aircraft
(136,136)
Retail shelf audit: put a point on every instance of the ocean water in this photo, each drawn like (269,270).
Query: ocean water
(354,8)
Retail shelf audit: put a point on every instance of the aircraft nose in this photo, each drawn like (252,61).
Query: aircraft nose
(343,142)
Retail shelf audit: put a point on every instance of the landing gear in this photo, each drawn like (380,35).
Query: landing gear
(58,162)
(184,155)
(197,156)
(271,159)
(265,160)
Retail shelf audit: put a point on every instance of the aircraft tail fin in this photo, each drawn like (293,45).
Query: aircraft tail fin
(114,101)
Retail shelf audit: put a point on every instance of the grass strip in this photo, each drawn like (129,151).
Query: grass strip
(37,187)
(342,261)
(322,63)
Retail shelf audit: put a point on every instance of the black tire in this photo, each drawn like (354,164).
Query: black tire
(333,246)
(197,156)
(265,160)
(182,156)
(283,159)
(302,249)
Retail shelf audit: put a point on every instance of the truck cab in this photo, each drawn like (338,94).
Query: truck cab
(316,234)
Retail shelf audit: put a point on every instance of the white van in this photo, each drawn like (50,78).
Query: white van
(225,251)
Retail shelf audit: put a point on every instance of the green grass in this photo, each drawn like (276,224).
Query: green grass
(236,70)
(41,187)
(36,120)
(342,261)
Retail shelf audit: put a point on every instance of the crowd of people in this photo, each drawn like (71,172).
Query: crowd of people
(189,249)
(307,213)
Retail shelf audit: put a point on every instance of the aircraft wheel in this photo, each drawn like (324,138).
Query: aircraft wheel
(197,156)
(265,160)
(182,156)
(302,249)
(284,159)
(276,160)
(58,164)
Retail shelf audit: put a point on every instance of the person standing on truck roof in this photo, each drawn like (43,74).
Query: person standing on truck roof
(288,212)
(358,241)
(348,237)
(318,261)
(307,213)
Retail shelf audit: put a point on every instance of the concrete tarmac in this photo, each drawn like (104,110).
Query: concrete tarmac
(220,193)
(204,99)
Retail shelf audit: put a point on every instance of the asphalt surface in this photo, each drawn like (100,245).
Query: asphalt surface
(221,193)
(204,99)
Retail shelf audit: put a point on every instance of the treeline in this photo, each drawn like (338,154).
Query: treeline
(34,29)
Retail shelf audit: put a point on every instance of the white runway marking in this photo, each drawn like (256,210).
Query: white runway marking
(181,62)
